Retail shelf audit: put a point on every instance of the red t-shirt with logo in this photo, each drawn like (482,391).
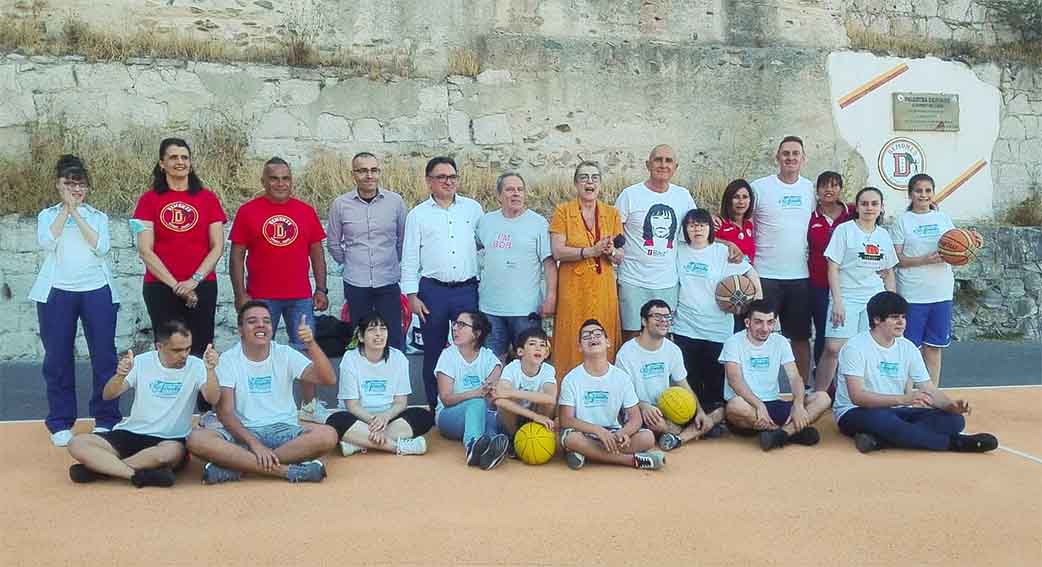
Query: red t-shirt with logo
(181,224)
(819,233)
(278,239)
(742,236)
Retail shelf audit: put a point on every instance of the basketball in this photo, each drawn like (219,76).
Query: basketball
(677,404)
(534,443)
(733,293)
(958,247)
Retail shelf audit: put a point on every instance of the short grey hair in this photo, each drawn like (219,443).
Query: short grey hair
(503,177)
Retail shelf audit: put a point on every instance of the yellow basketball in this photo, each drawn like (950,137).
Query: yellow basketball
(677,404)
(534,443)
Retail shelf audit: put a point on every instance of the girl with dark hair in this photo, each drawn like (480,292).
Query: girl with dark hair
(861,256)
(828,214)
(375,387)
(179,226)
(467,376)
(75,284)
(736,217)
(923,278)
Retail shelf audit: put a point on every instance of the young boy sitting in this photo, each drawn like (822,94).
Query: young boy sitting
(527,388)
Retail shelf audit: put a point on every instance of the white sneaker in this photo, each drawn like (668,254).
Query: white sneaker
(100,430)
(347,449)
(314,411)
(61,438)
(413,446)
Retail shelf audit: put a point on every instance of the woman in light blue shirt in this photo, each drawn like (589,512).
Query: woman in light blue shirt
(75,284)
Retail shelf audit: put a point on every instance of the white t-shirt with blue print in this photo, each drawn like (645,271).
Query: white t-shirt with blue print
(163,397)
(919,234)
(374,385)
(760,363)
(700,271)
(651,371)
(466,376)
(883,370)
(515,375)
(263,390)
(598,399)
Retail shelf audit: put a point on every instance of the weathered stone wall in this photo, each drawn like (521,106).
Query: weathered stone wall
(998,296)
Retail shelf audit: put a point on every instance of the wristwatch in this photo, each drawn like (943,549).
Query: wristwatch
(198,277)
(323,290)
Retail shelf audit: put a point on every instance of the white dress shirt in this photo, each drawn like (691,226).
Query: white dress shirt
(440,243)
(69,258)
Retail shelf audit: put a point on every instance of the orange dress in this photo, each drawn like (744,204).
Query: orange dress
(583,291)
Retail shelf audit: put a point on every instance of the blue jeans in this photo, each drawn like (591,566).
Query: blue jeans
(467,420)
(58,318)
(909,428)
(272,436)
(291,310)
(505,330)
(386,300)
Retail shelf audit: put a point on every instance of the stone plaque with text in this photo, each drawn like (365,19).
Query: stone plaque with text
(926,112)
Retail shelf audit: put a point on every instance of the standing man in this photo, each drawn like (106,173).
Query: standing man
(784,204)
(517,256)
(751,360)
(440,262)
(366,233)
(275,237)
(651,213)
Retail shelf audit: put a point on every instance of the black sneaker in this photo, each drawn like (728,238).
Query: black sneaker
(866,443)
(79,473)
(772,439)
(476,448)
(715,432)
(495,453)
(807,436)
(153,477)
(669,441)
(511,451)
(977,443)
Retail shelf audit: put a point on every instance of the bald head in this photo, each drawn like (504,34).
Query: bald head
(662,165)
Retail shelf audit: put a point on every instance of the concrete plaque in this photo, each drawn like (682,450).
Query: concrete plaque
(926,112)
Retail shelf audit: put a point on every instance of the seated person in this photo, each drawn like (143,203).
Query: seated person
(751,361)
(653,363)
(375,388)
(871,403)
(145,447)
(527,388)
(467,374)
(260,432)
(592,397)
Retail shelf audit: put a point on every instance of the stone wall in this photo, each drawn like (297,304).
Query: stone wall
(998,296)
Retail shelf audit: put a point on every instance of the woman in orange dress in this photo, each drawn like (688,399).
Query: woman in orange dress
(581,237)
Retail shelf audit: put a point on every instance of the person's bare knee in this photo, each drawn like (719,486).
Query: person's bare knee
(641,441)
(83,444)
(740,413)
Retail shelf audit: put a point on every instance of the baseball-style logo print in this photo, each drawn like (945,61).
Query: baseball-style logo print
(280,230)
(179,216)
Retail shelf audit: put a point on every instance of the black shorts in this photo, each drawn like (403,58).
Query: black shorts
(420,420)
(779,410)
(128,443)
(792,300)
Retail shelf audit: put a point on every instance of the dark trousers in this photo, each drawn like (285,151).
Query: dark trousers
(819,310)
(909,428)
(163,305)
(386,300)
(445,303)
(705,374)
(58,319)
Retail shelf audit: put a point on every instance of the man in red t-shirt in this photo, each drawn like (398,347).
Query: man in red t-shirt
(275,237)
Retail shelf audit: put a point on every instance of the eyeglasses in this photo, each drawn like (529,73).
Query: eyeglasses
(594,334)
(661,318)
(365,171)
(584,177)
(445,178)
(75,184)
(458,323)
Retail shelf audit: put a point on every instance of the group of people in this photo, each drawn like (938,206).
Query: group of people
(630,287)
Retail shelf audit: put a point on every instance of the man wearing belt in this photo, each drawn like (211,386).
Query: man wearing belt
(440,262)
(365,235)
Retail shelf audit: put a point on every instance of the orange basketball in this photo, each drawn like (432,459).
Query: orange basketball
(733,293)
(958,247)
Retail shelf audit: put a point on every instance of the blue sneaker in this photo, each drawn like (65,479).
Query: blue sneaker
(476,448)
(308,471)
(214,474)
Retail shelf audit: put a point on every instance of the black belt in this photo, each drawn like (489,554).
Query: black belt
(471,281)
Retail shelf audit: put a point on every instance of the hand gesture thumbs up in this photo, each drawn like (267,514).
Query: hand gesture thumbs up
(210,357)
(304,333)
(126,364)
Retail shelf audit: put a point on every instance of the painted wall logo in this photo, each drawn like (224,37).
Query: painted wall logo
(280,230)
(179,216)
(899,160)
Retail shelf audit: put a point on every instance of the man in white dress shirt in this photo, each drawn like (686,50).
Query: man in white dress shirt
(440,262)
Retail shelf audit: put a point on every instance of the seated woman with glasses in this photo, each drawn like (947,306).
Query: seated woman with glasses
(467,375)
(582,234)
(700,327)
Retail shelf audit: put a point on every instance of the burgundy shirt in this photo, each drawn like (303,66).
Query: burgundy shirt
(819,232)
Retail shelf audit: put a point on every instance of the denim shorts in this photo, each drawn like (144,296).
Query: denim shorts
(272,436)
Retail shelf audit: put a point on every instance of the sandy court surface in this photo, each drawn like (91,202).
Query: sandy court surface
(721,502)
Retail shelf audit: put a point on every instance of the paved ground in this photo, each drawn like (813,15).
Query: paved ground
(980,363)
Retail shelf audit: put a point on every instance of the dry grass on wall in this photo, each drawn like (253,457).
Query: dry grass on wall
(914,46)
